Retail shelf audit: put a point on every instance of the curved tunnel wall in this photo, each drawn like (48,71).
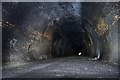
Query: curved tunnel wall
(35,31)
(105,17)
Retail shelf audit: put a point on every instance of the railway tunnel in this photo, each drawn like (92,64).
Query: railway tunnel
(35,32)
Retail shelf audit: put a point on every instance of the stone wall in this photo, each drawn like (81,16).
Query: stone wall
(104,17)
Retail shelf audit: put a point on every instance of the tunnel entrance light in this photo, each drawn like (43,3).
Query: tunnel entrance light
(79,53)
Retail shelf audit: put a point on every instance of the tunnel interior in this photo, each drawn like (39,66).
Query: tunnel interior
(71,32)
(38,31)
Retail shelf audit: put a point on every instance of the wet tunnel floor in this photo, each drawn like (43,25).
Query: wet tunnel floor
(70,67)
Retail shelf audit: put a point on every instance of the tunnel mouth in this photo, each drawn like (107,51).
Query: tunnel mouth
(70,34)
(73,36)
(59,40)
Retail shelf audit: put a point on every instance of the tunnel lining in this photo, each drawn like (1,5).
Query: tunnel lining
(74,24)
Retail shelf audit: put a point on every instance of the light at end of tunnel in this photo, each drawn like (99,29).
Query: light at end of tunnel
(79,53)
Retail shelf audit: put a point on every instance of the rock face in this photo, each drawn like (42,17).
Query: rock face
(35,31)
(104,16)
(32,25)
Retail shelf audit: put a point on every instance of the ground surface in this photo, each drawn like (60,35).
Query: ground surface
(70,67)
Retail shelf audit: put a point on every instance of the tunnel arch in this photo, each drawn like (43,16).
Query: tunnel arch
(73,34)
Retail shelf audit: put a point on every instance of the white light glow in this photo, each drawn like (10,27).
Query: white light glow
(79,53)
